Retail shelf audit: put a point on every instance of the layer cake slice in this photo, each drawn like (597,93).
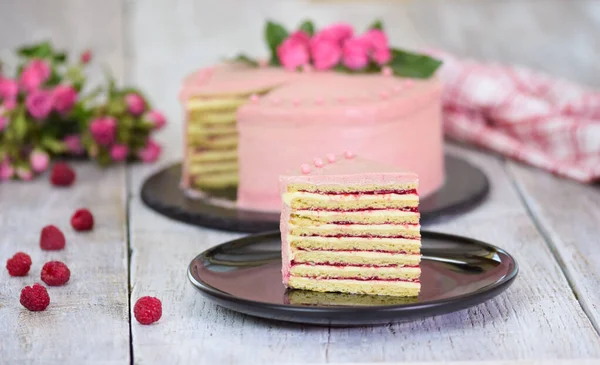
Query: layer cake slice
(351,225)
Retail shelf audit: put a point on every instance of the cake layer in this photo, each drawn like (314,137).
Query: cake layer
(363,272)
(307,297)
(195,131)
(371,287)
(300,200)
(212,155)
(355,244)
(220,142)
(212,118)
(305,217)
(211,167)
(215,180)
(215,104)
(356,230)
(369,258)
(399,188)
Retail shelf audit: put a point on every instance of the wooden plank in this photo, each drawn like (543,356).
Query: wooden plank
(538,317)
(87,320)
(568,215)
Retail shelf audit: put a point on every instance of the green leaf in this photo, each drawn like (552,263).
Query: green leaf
(275,34)
(308,27)
(245,59)
(408,64)
(19,125)
(40,50)
(60,57)
(377,24)
(53,145)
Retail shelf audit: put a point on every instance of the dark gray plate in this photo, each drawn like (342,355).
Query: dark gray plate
(464,188)
(245,275)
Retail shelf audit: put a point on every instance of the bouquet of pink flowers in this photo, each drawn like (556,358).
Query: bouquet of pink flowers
(337,47)
(45,113)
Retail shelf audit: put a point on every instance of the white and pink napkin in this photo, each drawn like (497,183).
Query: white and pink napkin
(545,122)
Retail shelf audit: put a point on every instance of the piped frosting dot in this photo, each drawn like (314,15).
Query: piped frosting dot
(386,71)
(254,98)
(318,162)
(296,102)
(331,157)
(384,94)
(305,168)
(348,154)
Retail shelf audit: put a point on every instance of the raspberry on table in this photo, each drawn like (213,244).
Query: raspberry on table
(52,238)
(35,297)
(19,264)
(82,220)
(55,273)
(147,310)
(62,174)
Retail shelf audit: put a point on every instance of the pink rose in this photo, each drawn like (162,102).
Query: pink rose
(325,53)
(150,152)
(9,104)
(9,89)
(381,56)
(73,144)
(35,74)
(24,174)
(337,33)
(157,118)
(118,152)
(64,98)
(6,170)
(103,130)
(86,57)
(3,122)
(39,160)
(293,52)
(39,103)
(377,39)
(300,36)
(135,104)
(355,53)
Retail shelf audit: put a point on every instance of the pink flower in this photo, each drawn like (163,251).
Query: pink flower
(39,160)
(35,74)
(86,57)
(9,104)
(135,104)
(300,36)
(325,53)
(377,39)
(9,89)
(355,53)
(3,123)
(39,104)
(336,33)
(293,52)
(381,56)
(24,174)
(73,144)
(103,130)
(157,118)
(118,152)
(150,152)
(6,170)
(64,98)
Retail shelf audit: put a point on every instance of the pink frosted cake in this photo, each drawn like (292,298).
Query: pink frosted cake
(352,226)
(248,122)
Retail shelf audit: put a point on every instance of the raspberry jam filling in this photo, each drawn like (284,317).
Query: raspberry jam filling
(341,264)
(355,250)
(404,209)
(360,236)
(374,278)
(373,192)
(346,223)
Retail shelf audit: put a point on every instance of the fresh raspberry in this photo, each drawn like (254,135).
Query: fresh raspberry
(35,298)
(62,174)
(147,310)
(19,264)
(55,273)
(52,238)
(82,220)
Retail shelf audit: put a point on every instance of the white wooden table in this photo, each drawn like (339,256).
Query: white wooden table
(552,227)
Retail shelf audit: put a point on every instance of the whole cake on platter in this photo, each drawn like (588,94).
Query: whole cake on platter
(248,121)
(350,225)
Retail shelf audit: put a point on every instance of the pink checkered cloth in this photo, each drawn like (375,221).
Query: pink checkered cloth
(525,115)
